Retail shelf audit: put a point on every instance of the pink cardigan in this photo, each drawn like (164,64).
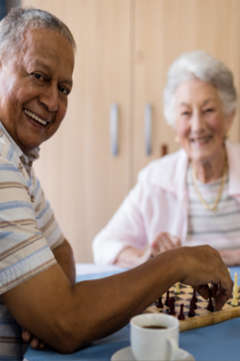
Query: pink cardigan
(158,203)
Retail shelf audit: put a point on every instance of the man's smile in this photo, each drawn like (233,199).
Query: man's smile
(36,118)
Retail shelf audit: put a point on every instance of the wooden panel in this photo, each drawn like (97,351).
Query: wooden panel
(82,179)
(163,30)
(124,50)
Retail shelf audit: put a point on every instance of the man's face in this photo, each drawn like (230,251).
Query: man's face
(34,87)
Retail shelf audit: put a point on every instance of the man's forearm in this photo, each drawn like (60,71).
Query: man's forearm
(121,297)
(69,317)
(116,299)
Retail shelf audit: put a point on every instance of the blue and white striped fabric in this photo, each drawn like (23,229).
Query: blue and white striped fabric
(220,229)
(28,232)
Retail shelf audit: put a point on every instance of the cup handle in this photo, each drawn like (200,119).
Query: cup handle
(172,348)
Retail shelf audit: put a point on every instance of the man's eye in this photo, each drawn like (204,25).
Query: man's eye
(64,90)
(38,76)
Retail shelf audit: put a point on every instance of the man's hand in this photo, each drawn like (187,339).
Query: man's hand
(164,242)
(33,341)
(203,266)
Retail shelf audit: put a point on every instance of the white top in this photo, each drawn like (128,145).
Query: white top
(159,202)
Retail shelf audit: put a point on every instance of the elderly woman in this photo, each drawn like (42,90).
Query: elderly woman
(190,197)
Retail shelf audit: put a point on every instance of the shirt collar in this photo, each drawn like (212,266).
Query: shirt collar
(170,173)
(26,159)
(177,180)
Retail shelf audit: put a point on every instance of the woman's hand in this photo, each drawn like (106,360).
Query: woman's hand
(164,242)
(130,257)
(231,257)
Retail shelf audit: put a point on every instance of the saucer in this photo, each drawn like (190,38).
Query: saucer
(125,354)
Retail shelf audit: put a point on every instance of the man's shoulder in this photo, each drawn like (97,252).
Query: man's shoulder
(7,155)
(10,168)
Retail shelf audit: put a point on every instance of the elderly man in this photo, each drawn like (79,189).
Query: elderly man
(36,264)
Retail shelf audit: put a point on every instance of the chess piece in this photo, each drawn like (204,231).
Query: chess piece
(159,303)
(191,312)
(193,303)
(171,305)
(167,299)
(194,297)
(235,291)
(181,315)
(177,288)
(210,306)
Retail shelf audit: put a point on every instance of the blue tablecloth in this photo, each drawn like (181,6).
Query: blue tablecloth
(213,343)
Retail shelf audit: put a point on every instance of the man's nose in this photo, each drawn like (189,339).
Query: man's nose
(50,98)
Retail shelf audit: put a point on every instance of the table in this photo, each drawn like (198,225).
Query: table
(216,343)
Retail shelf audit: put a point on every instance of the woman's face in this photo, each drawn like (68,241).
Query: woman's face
(201,125)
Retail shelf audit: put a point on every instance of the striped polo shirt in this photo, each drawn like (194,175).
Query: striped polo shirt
(28,232)
(219,228)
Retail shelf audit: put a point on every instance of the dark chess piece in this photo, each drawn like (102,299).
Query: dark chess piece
(210,306)
(214,289)
(191,312)
(159,303)
(194,297)
(171,306)
(181,315)
(193,304)
(167,299)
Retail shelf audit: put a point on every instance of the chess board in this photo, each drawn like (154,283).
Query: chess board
(203,317)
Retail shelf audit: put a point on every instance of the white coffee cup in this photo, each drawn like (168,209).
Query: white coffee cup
(154,344)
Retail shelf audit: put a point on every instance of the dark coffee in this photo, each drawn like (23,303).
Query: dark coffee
(156,327)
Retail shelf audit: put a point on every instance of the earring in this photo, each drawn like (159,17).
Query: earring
(225,137)
(177,140)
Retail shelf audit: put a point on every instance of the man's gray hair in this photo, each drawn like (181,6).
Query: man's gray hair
(14,25)
(200,65)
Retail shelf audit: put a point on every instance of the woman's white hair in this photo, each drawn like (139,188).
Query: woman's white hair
(200,65)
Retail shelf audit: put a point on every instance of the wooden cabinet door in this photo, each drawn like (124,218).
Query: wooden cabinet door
(124,50)
(163,30)
(83,180)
